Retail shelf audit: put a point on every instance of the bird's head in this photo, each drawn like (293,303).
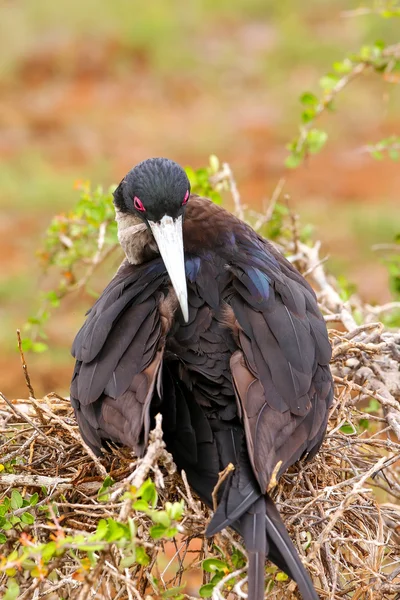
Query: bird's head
(157,191)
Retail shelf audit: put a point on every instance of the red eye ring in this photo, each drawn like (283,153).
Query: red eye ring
(138,204)
(186,198)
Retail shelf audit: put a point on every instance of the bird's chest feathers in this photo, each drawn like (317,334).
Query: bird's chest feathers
(135,238)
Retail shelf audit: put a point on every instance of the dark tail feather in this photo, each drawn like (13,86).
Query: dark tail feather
(279,537)
(252,528)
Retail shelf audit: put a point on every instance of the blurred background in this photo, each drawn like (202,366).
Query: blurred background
(90,88)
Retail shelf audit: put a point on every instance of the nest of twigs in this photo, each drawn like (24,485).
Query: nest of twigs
(342,509)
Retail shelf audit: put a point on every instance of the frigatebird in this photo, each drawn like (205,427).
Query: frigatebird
(207,323)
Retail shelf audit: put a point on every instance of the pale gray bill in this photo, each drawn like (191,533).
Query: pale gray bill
(169,238)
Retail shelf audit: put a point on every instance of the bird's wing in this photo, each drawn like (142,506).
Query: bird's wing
(118,355)
(281,376)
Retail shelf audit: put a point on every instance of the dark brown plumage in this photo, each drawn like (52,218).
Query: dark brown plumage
(245,379)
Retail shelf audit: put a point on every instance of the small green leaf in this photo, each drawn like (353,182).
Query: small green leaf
(343,66)
(12,590)
(308,115)
(115,530)
(309,99)
(102,494)
(281,576)
(170,532)
(348,429)
(175,510)
(373,406)
(148,492)
(26,344)
(293,161)
(39,347)
(377,154)
(308,541)
(161,517)
(206,590)
(316,139)
(328,82)
(141,556)
(16,500)
(3,538)
(211,565)
(48,551)
(34,499)
(141,505)
(101,530)
(174,592)
(27,518)
(364,423)
(157,531)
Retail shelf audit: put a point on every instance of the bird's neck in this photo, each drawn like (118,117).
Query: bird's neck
(135,238)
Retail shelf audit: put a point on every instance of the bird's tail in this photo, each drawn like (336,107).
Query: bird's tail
(264,534)
(283,553)
(252,528)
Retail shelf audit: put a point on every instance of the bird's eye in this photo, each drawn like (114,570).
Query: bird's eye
(186,198)
(138,204)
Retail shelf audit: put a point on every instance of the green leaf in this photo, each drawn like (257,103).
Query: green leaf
(281,576)
(309,99)
(48,551)
(101,529)
(34,499)
(308,541)
(170,532)
(293,161)
(161,517)
(16,500)
(102,495)
(174,592)
(148,492)
(348,429)
(27,518)
(373,406)
(26,344)
(141,505)
(343,66)
(211,565)
(364,423)
(394,154)
(328,82)
(316,139)
(175,510)
(12,590)
(157,531)
(377,154)
(39,347)
(308,115)
(206,590)
(141,556)
(3,538)
(238,560)
(115,530)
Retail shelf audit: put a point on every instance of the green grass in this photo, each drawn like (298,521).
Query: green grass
(31,182)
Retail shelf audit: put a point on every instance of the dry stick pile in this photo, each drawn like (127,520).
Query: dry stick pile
(349,542)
